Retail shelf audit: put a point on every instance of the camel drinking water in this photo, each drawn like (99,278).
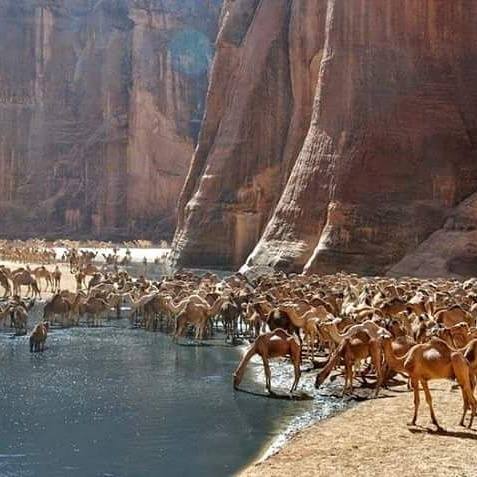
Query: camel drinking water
(275,344)
(38,337)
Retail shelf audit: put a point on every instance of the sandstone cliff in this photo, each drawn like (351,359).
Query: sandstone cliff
(337,135)
(99,109)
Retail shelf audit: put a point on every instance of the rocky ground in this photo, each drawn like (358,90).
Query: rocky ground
(373,439)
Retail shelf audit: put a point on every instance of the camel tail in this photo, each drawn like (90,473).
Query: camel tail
(239,372)
(330,365)
(32,341)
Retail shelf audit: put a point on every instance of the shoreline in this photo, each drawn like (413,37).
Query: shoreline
(324,404)
(373,438)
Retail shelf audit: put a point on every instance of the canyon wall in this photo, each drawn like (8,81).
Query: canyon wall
(337,135)
(100,106)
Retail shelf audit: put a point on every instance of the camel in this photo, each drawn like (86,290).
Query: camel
(256,315)
(42,273)
(22,277)
(19,318)
(140,306)
(38,337)
(280,319)
(56,279)
(197,315)
(456,336)
(5,312)
(94,308)
(80,278)
(454,315)
(352,350)
(229,314)
(95,280)
(275,344)
(433,360)
(58,306)
(309,322)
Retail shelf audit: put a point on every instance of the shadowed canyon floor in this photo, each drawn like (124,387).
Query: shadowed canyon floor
(374,439)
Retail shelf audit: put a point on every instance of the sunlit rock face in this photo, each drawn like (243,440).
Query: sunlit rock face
(346,137)
(100,106)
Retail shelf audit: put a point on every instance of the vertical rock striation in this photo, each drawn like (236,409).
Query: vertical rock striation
(99,106)
(258,110)
(369,163)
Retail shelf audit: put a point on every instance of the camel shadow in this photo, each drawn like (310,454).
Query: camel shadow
(353,397)
(277,395)
(443,433)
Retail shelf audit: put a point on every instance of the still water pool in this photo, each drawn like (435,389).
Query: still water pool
(115,401)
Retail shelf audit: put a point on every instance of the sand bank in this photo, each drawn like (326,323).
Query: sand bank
(373,439)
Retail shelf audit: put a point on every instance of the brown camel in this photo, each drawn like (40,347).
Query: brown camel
(42,273)
(197,315)
(353,350)
(393,307)
(452,316)
(140,307)
(21,278)
(56,279)
(58,306)
(94,308)
(90,269)
(38,337)
(19,318)
(5,312)
(275,344)
(308,321)
(433,360)
(80,278)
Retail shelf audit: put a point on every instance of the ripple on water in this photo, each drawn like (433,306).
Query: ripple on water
(122,402)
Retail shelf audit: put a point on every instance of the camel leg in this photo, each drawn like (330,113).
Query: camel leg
(466,383)
(465,407)
(376,360)
(296,366)
(268,374)
(427,393)
(311,346)
(415,388)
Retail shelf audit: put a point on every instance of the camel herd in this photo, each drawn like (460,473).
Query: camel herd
(12,280)
(26,254)
(371,328)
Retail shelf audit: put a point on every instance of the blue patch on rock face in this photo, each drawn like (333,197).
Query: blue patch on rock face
(191,52)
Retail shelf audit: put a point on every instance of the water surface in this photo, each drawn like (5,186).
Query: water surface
(115,401)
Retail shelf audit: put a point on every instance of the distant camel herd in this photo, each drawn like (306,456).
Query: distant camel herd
(371,327)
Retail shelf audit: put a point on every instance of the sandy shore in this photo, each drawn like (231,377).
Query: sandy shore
(68,281)
(373,439)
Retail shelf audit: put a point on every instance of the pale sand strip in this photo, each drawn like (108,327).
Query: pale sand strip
(373,439)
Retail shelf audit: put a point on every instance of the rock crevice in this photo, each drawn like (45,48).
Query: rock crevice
(374,111)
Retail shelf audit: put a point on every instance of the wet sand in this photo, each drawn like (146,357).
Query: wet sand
(373,439)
